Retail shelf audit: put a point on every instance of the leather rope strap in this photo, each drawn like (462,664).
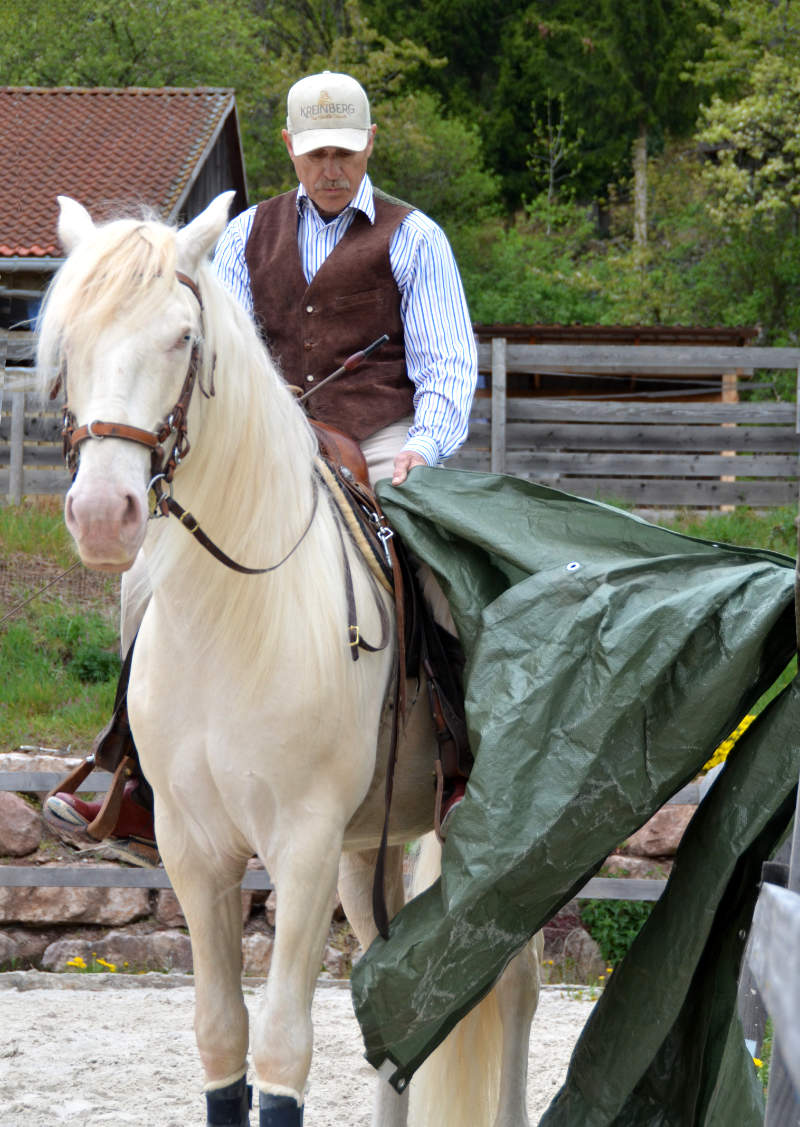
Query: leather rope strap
(190,523)
(354,525)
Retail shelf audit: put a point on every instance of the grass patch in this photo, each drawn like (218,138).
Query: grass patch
(36,528)
(58,674)
(746,528)
(59,654)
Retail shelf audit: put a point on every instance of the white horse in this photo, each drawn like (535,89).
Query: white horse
(258,732)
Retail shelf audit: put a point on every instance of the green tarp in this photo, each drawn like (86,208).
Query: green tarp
(606,659)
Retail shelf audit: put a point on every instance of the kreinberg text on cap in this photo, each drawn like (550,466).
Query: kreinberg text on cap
(328,110)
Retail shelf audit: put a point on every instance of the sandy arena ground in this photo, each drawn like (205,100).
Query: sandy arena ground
(92,1053)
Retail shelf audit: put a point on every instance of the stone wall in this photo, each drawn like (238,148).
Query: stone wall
(139,930)
(133,929)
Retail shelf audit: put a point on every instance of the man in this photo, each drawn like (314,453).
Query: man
(330,266)
(326,269)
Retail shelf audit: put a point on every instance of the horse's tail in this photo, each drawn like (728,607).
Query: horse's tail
(459,1083)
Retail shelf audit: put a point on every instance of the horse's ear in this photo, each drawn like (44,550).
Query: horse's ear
(197,239)
(74,223)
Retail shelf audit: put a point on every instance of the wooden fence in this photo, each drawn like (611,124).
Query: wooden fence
(648,452)
(773,956)
(40,782)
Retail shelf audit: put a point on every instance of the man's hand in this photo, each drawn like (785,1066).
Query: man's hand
(405,461)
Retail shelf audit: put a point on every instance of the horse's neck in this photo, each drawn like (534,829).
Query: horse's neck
(248,480)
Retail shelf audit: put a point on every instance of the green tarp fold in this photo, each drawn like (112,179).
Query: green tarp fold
(606,659)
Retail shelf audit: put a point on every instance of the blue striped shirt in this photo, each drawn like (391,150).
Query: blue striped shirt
(441,357)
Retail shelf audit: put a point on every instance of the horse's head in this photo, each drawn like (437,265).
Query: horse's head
(123,324)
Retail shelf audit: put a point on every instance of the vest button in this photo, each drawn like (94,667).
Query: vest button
(307,345)
(309,309)
(309,379)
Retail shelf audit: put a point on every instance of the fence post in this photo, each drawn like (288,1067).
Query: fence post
(17,439)
(783,1098)
(498,437)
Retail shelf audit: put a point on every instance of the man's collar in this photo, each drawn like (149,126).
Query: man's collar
(363,200)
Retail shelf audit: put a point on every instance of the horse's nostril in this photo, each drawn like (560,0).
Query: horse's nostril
(131,511)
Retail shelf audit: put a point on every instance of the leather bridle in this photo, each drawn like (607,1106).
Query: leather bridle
(162,463)
(162,466)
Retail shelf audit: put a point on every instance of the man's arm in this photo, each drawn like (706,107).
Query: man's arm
(441,356)
(229,261)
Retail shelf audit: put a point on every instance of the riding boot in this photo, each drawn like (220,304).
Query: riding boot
(279,1111)
(230,1106)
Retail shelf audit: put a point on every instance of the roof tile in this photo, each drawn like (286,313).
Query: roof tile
(111,149)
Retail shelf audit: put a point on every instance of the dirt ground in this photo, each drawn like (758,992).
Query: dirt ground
(106,1052)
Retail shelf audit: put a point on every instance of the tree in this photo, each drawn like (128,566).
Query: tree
(751,130)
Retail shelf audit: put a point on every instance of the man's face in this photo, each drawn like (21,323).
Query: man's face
(331,176)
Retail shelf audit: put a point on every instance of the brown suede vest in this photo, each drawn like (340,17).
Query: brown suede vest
(352,300)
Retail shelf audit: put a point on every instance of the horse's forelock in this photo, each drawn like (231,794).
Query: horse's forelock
(125,267)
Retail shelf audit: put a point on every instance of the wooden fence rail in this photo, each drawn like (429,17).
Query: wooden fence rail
(40,782)
(648,453)
(773,956)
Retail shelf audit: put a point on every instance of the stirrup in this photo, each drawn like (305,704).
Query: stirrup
(108,814)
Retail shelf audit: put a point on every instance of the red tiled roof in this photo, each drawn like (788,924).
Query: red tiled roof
(109,149)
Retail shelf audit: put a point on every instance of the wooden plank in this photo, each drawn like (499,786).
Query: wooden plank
(542,409)
(91,876)
(14,492)
(621,888)
(498,424)
(39,782)
(36,428)
(39,481)
(644,492)
(775,962)
(554,464)
(35,456)
(573,436)
(655,359)
(21,345)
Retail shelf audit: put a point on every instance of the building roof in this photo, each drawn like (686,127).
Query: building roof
(110,149)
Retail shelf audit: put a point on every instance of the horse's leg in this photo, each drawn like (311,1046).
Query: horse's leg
(517,997)
(356,871)
(303,863)
(209,892)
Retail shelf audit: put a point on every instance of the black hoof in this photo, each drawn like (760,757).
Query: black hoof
(278,1111)
(230,1106)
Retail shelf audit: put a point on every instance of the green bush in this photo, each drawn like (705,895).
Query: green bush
(93,665)
(614,924)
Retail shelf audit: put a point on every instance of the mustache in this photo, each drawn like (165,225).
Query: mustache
(324,184)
